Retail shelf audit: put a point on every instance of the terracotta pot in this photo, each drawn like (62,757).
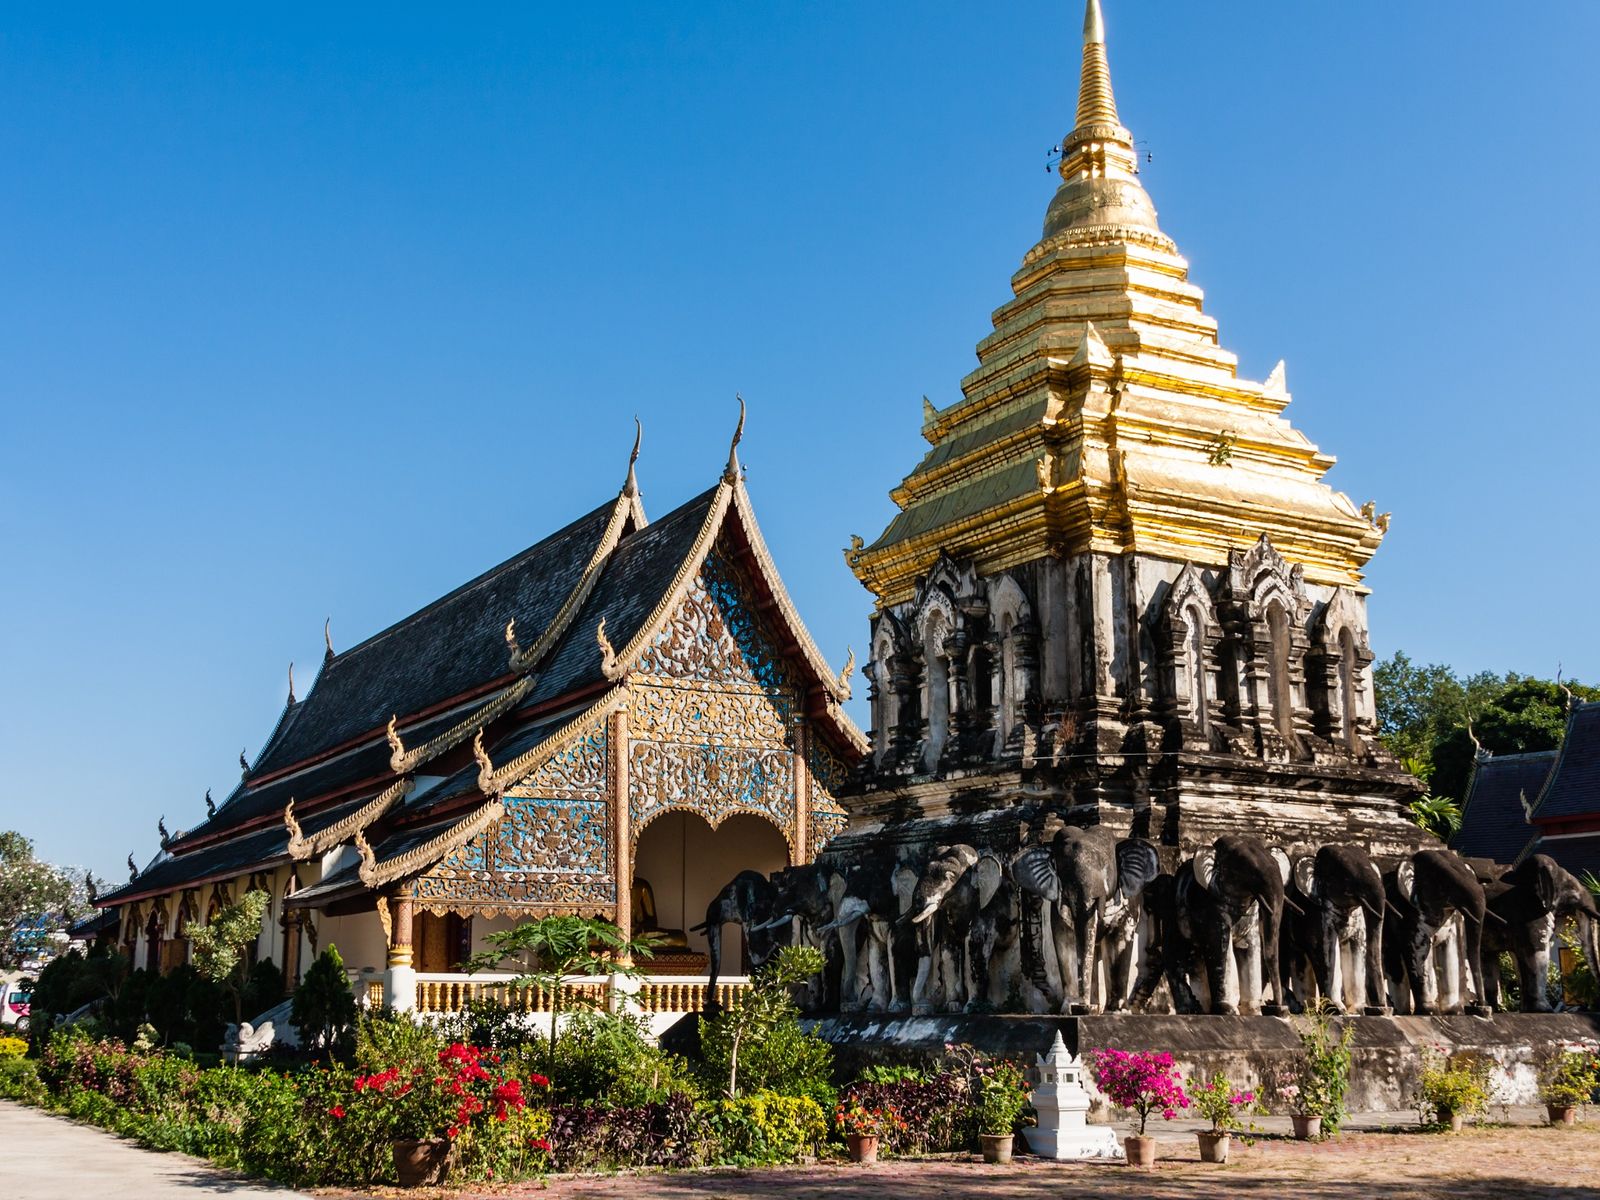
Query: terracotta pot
(419,1161)
(1306,1127)
(1214,1145)
(863,1147)
(1562,1114)
(996,1147)
(1140,1149)
(1449,1116)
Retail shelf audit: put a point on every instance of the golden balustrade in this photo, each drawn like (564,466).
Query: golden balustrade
(374,993)
(655,994)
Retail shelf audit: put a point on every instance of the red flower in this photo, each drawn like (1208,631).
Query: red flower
(539,1144)
(337,1112)
(537,1080)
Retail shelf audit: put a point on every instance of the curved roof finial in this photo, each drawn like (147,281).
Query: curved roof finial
(327,639)
(211,805)
(631,487)
(1096,104)
(731,475)
(244,763)
(291,683)
(133,869)
(161,828)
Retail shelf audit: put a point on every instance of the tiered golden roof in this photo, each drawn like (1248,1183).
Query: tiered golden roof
(1103,415)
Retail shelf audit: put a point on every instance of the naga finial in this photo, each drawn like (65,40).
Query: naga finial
(211,805)
(843,681)
(852,553)
(133,869)
(297,838)
(731,475)
(327,639)
(244,763)
(397,748)
(608,652)
(485,763)
(369,860)
(161,828)
(631,487)
(90,888)
(291,683)
(512,646)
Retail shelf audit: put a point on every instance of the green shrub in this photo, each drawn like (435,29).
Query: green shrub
(19,1080)
(609,1058)
(324,1011)
(1457,1083)
(758,1045)
(385,1039)
(765,1127)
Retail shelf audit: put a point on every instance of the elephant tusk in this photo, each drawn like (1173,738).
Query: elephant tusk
(1494,916)
(1288,903)
(700,928)
(1398,915)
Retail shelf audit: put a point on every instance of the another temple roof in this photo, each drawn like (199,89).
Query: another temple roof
(1573,789)
(1494,820)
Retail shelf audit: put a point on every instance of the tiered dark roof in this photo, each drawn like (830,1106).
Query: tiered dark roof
(1573,790)
(1494,821)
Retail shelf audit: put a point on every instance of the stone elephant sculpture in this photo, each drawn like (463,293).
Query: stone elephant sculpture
(746,901)
(876,948)
(1527,905)
(1433,935)
(1228,903)
(803,904)
(1091,882)
(962,917)
(1338,931)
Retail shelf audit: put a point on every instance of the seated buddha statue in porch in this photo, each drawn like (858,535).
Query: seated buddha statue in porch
(644,918)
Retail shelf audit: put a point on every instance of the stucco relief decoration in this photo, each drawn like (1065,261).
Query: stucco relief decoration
(576,773)
(827,817)
(711,709)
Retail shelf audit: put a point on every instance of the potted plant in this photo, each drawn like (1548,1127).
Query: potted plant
(1568,1078)
(1321,1075)
(864,1126)
(1000,1093)
(1142,1083)
(1220,1103)
(1452,1088)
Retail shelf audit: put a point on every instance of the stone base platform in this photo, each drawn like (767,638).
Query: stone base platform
(1386,1051)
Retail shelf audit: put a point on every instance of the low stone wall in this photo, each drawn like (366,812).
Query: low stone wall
(1387,1051)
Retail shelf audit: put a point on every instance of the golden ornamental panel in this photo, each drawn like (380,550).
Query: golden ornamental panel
(578,772)
(714,781)
(677,713)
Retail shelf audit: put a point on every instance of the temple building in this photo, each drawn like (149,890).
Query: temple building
(1118,586)
(612,723)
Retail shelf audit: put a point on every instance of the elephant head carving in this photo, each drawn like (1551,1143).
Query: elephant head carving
(1092,883)
(1437,912)
(1527,906)
(1338,929)
(1229,901)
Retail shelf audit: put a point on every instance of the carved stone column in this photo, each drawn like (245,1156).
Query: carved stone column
(622,834)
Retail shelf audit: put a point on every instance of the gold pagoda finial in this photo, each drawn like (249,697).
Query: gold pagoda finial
(1096,104)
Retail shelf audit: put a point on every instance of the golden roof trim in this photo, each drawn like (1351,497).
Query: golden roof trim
(403,760)
(376,874)
(494,781)
(301,847)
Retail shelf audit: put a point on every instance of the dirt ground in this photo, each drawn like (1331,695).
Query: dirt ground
(1495,1163)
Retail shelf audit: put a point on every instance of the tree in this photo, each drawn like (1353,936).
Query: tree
(36,899)
(324,1011)
(552,949)
(218,947)
(1440,815)
(764,1008)
(1417,705)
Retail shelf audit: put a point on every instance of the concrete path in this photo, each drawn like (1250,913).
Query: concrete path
(43,1157)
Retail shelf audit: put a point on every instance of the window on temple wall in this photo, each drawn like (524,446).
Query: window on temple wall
(1194,664)
(1278,690)
(1347,688)
(936,695)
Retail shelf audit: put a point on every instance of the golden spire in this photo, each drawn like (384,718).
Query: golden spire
(1096,104)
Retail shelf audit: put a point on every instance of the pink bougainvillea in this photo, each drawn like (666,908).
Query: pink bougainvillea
(1142,1082)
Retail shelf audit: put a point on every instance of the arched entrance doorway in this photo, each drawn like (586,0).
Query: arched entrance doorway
(680,863)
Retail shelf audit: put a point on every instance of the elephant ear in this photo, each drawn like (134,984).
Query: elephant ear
(1035,872)
(1406,876)
(1282,859)
(1137,864)
(1547,885)
(904,883)
(1205,868)
(1305,875)
(988,874)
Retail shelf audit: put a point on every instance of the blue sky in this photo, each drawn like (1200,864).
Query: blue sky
(324,310)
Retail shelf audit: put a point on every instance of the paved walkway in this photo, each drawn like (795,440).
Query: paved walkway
(44,1157)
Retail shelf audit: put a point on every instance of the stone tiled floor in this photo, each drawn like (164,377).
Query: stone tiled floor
(1524,1161)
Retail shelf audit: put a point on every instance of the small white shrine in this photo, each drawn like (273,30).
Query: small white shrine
(1062,1103)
